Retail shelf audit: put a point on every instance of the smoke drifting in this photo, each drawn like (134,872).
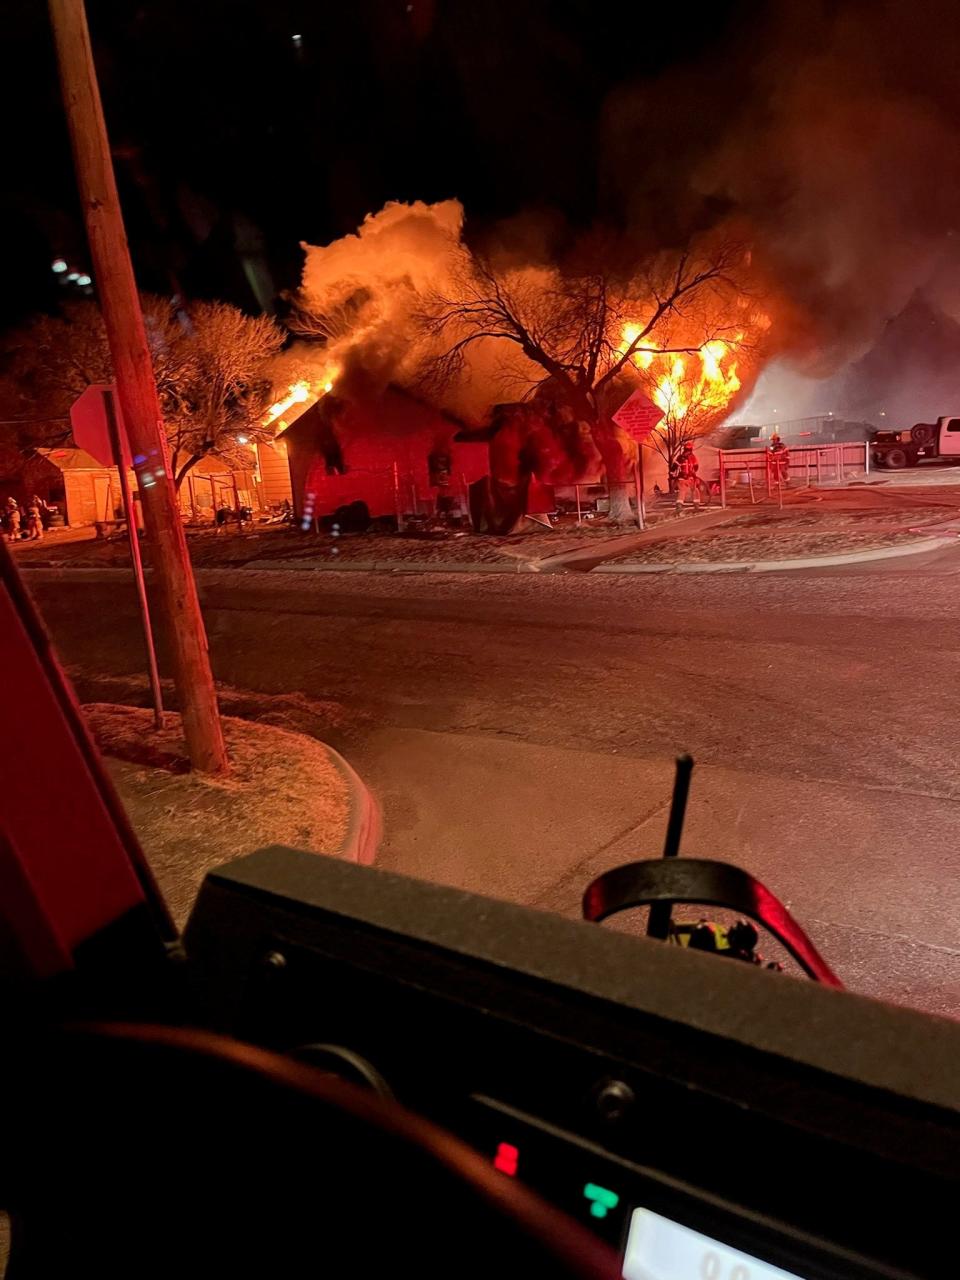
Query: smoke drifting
(370,288)
(826,134)
(367,287)
(833,132)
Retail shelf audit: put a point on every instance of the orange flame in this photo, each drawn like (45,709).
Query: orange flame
(302,392)
(700,382)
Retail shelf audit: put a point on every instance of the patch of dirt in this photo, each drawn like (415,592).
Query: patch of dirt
(282,788)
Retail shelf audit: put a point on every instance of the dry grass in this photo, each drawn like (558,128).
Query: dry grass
(282,788)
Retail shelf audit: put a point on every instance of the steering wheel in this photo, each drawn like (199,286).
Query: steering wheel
(145,1151)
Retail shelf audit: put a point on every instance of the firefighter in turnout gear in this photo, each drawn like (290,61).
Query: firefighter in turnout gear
(11,520)
(778,457)
(684,471)
(34,520)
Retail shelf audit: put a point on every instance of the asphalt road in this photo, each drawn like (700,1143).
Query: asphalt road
(520,731)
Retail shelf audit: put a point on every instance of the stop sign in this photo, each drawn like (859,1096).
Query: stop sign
(91,430)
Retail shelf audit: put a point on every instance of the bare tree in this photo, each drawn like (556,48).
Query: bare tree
(43,368)
(211,362)
(588,336)
(214,382)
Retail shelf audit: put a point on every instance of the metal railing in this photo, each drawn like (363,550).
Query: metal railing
(808,464)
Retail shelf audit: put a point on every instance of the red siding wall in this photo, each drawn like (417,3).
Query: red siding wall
(379,440)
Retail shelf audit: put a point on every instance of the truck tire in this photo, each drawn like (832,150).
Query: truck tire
(895,459)
(923,433)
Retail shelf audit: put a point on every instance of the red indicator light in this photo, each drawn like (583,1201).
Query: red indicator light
(506,1159)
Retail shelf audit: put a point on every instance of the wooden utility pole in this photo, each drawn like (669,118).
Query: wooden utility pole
(136,389)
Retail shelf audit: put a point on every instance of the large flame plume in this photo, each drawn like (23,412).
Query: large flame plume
(704,381)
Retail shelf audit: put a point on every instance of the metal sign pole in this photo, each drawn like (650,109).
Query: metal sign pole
(134,539)
(638,485)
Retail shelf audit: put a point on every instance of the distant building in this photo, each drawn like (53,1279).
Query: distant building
(86,493)
(71,480)
(823,429)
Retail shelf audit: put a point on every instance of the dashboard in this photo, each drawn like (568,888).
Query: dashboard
(710,1120)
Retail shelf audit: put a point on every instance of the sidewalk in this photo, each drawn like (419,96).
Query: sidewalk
(535,824)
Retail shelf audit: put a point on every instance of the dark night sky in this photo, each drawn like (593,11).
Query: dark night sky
(215,113)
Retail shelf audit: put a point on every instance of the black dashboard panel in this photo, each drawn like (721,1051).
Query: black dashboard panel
(629,1082)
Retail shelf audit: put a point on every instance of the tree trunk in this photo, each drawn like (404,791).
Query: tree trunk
(180,476)
(619,454)
(621,512)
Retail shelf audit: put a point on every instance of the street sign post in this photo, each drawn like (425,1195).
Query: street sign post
(97,428)
(638,416)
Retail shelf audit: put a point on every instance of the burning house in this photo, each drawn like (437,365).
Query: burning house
(389,451)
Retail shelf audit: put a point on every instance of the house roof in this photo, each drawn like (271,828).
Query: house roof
(72,459)
(391,391)
(80,460)
(213,465)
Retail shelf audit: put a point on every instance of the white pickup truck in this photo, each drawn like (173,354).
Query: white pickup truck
(895,449)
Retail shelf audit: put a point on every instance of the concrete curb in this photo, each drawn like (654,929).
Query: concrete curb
(584,559)
(365,829)
(396,566)
(780,566)
(523,566)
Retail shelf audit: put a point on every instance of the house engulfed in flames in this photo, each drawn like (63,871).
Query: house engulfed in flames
(389,451)
(399,456)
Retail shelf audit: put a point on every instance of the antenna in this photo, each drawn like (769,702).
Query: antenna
(658,924)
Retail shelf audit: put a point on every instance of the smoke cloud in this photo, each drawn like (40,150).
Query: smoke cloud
(826,134)
(833,133)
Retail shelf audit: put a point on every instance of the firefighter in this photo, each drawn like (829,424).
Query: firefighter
(11,520)
(43,507)
(34,520)
(684,470)
(779,458)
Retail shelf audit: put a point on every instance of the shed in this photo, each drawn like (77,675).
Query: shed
(84,490)
(87,492)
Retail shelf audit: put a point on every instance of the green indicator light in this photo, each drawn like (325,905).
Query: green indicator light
(601,1200)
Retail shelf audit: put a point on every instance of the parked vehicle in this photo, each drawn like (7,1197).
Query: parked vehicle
(897,449)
